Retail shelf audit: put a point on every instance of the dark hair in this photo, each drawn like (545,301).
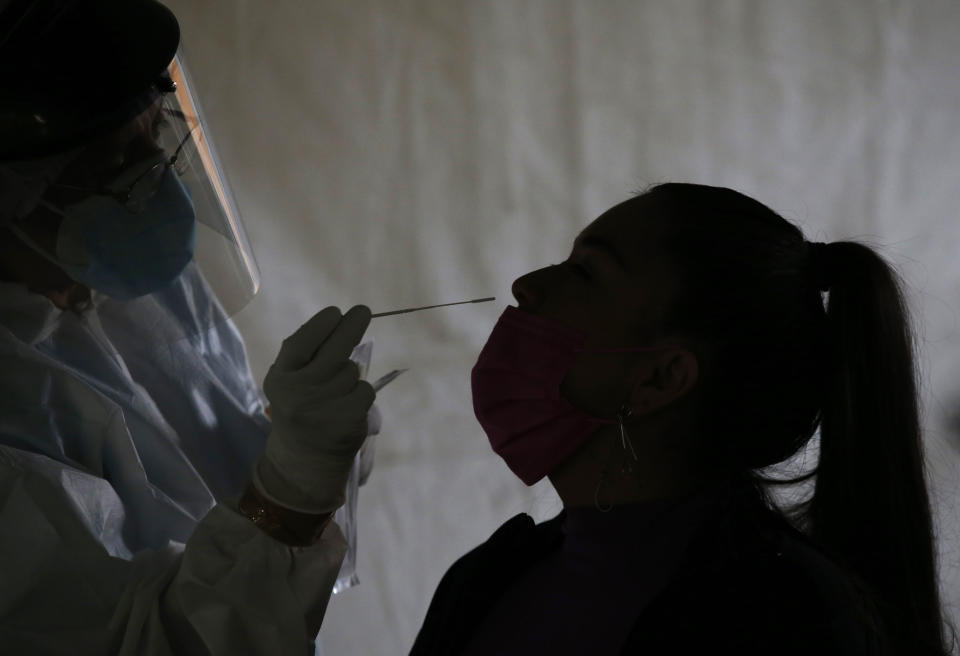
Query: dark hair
(777,364)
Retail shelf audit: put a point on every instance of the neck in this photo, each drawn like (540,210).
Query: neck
(656,475)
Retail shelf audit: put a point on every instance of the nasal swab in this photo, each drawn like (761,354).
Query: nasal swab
(427,307)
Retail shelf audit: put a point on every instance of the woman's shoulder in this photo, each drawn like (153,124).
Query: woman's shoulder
(752,583)
(477,579)
(512,547)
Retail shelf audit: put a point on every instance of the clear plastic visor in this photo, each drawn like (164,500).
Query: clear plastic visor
(160,164)
(222,253)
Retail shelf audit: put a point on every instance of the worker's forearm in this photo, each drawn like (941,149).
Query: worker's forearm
(236,586)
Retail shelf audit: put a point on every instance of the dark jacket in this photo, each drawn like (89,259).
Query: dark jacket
(748,584)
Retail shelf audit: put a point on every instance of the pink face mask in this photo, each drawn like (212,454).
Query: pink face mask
(516,392)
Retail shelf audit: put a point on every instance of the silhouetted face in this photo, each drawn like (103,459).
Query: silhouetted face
(610,288)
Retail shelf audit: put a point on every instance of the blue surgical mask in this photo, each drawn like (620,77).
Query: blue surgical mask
(123,254)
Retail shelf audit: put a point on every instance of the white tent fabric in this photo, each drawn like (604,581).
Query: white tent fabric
(400,153)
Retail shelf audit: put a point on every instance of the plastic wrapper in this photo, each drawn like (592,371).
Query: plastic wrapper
(346,515)
(346,519)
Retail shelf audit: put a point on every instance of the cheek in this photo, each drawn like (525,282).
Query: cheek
(592,383)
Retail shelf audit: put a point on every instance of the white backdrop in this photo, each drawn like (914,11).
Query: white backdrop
(398,153)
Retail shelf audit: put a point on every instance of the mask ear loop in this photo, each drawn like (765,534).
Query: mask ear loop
(627,467)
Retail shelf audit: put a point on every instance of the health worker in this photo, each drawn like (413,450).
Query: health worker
(149,504)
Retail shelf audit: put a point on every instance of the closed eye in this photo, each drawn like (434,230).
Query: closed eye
(579,269)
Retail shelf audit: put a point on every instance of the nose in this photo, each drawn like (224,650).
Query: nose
(526,290)
(519,291)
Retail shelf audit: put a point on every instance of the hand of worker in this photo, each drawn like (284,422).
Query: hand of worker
(319,407)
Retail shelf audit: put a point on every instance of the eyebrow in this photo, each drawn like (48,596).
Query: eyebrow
(602,245)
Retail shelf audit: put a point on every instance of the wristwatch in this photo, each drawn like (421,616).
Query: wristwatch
(293,528)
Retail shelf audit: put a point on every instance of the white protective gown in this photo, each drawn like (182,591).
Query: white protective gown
(123,451)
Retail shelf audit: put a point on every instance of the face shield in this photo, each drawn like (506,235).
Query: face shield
(130,212)
(170,140)
(222,252)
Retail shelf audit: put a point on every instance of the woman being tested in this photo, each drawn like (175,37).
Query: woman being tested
(148,504)
(683,347)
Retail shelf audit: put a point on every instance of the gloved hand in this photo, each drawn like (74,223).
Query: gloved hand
(319,406)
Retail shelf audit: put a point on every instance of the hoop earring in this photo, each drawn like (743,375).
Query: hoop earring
(627,466)
(596,494)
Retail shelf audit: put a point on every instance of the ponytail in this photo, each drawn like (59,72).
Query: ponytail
(777,364)
(870,509)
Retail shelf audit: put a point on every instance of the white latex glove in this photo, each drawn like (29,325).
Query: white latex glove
(319,407)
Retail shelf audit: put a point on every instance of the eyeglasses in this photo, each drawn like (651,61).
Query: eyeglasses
(134,196)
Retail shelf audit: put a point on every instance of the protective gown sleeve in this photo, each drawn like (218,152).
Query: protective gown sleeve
(68,586)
